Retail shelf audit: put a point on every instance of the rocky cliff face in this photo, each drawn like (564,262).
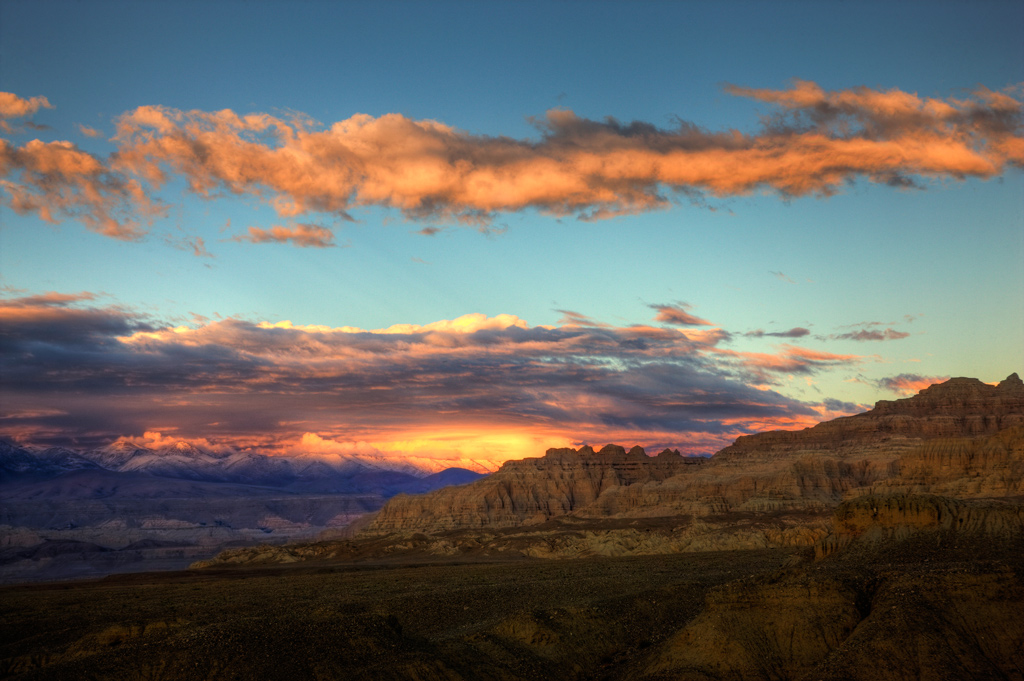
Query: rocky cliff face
(872,521)
(932,442)
(960,407)
(531,491)
(983,467)
(832,460)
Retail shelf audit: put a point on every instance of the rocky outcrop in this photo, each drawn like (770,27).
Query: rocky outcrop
(810,470)
(531,491)
(875,520)
(991,466)
(864,623)
(959,407)
(780,629)
(820,466)
(897,563)
(962,439)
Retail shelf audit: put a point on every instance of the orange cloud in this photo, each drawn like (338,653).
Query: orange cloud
(48,299)
(13,106)
(707,337)
(583,167)
(153,439)
(791,360)
(307,236)
(57,180)
(815,142)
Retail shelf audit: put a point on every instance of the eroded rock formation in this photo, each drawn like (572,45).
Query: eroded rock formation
(926,443)
(531,491)
(874,520)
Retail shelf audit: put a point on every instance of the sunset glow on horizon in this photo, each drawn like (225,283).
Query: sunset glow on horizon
(361,228)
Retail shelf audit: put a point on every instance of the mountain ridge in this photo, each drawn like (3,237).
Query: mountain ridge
(184,460)
(807,471)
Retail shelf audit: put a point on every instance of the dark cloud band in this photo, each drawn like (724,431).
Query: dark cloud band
(76,370)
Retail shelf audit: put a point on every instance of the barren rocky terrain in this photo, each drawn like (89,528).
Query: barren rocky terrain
(884,546)
(962,439)
(905,443)
(904,596)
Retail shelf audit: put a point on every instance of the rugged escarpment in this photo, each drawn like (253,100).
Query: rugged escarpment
(532,491)
(875,521)
(991,466)
(820,466)
(959,407)
(895,558)
(961,440)
(962,437)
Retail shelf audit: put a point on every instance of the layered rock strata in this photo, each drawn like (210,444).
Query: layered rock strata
(532,491)
(874,520)
(928,442)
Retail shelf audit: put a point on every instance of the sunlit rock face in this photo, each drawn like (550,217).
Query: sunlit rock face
(982,467)
(932,442)
(960,407)
(531,491)
(872,522)
(818,467)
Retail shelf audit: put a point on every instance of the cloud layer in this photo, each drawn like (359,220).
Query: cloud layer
(812,142)
(89,373)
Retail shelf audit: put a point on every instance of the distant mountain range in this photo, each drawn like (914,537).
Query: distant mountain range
(68,513)
(385,476)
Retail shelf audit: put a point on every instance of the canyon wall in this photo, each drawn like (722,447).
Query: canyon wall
(962,438)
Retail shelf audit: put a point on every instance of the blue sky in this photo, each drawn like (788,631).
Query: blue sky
(942,263)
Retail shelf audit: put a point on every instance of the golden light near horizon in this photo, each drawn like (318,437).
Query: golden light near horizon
(472,266)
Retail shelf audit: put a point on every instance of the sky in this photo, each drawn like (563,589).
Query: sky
(472,231)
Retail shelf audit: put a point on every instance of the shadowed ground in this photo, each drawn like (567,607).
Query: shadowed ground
(906,609)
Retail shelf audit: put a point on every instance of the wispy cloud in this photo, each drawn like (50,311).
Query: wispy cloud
(89,132)
(195,245)
(908,384)
(795,332)
(306,236)
(870,331)
(57,180)
(49,299)
(678,315)
(871,335)
(573,318)
(790,359)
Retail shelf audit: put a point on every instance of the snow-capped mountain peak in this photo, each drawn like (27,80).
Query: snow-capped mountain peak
(117,454)
(184,450)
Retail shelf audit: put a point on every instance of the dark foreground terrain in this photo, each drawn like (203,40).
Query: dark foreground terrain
(912,609)
(879,547)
